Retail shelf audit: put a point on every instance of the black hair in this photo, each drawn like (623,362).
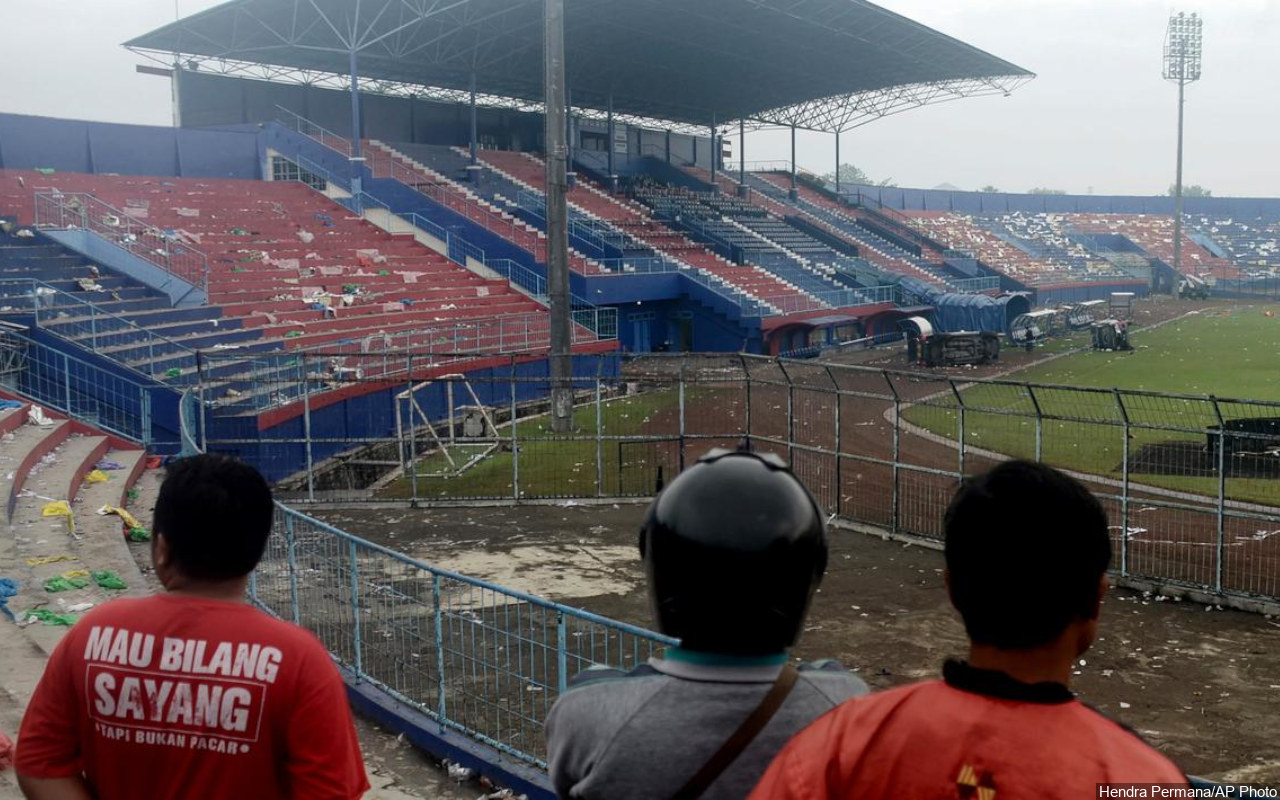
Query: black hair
(1026,546)
(215,513)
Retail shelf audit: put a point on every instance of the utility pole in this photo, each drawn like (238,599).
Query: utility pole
(557,219)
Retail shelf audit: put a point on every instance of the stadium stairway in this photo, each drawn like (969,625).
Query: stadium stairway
(51,463)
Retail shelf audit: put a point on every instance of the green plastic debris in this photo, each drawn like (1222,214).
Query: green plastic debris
(239,269)
(293,334)
(48,617)
(139,535)
(382,273)
(350,288)
(132,494)
(109,580)
(239,232)
(60,584)
(173,372)
(45,170)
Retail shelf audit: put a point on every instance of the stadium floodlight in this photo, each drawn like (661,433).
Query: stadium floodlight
(1182,58)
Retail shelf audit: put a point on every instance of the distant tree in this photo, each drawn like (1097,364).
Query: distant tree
(989,189)
(850,174)
(1041,190)
(1194,190)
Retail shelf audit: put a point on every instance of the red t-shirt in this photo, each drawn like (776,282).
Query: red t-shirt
(175,697)
(936,740)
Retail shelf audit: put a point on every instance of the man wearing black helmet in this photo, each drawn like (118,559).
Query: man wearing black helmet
(733,551)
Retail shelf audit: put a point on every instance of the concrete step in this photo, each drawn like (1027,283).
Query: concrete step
(29,444)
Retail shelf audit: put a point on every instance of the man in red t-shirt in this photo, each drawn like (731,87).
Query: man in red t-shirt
(1027,549)
(193,693)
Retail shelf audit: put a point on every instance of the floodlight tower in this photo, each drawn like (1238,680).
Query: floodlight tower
(1182,40)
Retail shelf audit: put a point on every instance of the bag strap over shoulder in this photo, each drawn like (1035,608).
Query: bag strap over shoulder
(743,736)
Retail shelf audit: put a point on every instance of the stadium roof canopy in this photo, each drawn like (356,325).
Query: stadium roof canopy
(826,65)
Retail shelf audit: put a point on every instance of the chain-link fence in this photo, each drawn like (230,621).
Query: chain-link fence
(1189,481)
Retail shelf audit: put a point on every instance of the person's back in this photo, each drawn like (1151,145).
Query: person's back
(193,693)
(641,735)
(733,549)
(1027,549)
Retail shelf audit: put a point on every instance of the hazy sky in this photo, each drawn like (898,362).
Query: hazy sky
(1097,117)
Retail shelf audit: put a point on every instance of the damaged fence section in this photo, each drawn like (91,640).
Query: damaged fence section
(474,657)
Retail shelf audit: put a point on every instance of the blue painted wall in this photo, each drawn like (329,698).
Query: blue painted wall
(100,147)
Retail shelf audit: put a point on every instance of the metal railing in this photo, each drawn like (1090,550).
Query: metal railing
(98,395)
(88,325)
(480,659)
(56,210)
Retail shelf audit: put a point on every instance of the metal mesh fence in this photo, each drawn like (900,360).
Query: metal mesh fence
(1189,480)
(1185,481)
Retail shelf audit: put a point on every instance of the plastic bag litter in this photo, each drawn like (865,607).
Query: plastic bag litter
(47,617)
(36,416)
(107,579)
(61,584)
(60,508)
(38,560)
(129,520)
(8,588)
(96,476)
(132,494)
(108,465)
(72,574)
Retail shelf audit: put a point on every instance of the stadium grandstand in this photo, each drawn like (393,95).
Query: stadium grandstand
(351,214)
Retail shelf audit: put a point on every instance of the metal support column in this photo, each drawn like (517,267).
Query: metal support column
(1177,187)
(837,163)
(668,145)
(568,122)
(613,175)
(357,160)
(558,154)
(715,155)
(742,158)
(473,168)
(794,192)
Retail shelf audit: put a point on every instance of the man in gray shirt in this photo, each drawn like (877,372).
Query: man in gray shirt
(733,550)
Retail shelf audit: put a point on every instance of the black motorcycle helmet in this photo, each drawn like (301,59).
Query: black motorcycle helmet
(733,550)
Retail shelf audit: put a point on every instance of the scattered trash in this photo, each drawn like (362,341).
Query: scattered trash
(47,617)
(107,579)
(79,608)
(60,508)
(108,465)
(1125,705)
(5,405)
(132,494)
(8,588)
(154,462)
(96,476)
(72,574)
(61,584)
(38,560)
(36,416)
(173,372)
(457,772)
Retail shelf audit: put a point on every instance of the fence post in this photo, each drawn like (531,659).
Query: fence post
(290,537)
(835,386)
(1035,403)
(306,427)
(515,445)
(599,434)
(562,654)
(66,383)
(959,425)
(1124,487)
(1221,528)
(746,385)
(357,647)
(437,613)
(145,404)
(791,415)
(895,491)
(204,436)
(680,429)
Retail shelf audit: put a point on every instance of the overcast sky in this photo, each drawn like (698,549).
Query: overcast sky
(1097,117)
